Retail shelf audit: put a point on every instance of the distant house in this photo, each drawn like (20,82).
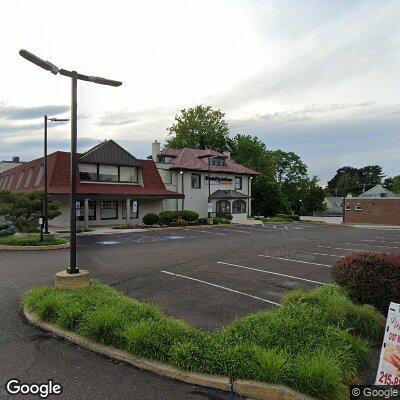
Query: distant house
(334,206)
(375,206)
(377,191)
(5,165)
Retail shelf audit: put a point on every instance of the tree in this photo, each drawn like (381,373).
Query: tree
(314,197)
(200,127)
(393,184)
(24,209)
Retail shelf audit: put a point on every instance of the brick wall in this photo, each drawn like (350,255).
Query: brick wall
(374,211)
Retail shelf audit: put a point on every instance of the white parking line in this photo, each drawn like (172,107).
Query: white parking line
(273,273)
(213,233)
(298,261)
(233,230)
(376,245)
(222,287)
(379,241)
(324,254)
(342,248)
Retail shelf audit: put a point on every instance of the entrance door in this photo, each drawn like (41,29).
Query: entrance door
(223,207)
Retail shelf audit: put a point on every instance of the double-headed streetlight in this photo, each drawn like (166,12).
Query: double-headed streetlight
(45,202)
(75,76)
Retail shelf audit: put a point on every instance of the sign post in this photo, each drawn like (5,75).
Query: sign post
(389,362)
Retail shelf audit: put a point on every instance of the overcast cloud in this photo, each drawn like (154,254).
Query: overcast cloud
(316,77)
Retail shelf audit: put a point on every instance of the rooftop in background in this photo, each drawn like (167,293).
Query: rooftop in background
(378,191)
(193,159)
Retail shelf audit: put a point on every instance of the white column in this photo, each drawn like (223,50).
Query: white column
(128,211)
(86,213)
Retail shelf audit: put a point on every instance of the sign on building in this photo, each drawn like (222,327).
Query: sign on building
(389,362)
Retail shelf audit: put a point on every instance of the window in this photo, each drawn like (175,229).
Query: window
(161,159)
(238,206)
(109,210)
(196,181)
(358,207)
(217,161)
(88,172)
(92,211)
(223,207)
(108,173)
(39,176)
(238,182)
(166,175)
(21,176)
(28,178)
(347,208)
(133,209)
(128,174)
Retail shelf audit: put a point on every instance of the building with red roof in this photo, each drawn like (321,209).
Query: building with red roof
(110,182)
(211,182)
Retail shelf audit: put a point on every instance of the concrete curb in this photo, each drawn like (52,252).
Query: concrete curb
(34,248)
(255,390)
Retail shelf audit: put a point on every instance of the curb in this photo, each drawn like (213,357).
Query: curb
(253,389)
(34,248)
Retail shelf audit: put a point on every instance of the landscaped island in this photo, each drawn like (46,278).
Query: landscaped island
(32,239)
(315,343)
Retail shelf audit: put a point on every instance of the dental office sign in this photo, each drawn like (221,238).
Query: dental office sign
(389,363)
(219,180)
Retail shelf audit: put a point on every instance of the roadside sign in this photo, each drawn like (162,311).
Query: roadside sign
(389,362)
(134,207)
(40,221)
(78,208)
(209,207)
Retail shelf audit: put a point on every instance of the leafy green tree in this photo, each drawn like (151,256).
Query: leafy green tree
(314,197)
(289,167)
(199,127)
(268,197)
(347,183)
(24,209)
(393,184)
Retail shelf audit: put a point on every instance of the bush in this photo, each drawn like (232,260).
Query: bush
(315,343)
(6,227)
(218,220)
(227,216)
(32,239)
(189,216)
(202,221)
(166,217)
(370,278)
(181,222)
(294,217)
(151,219)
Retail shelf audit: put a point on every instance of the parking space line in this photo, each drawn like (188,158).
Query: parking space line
(379,241)
(298,261)
(233,230)
(322,254)
(213,233)
(222,287)
(273,273)
(342,248)
(376,245)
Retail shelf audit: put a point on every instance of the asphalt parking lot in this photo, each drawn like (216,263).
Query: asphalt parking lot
(206,276)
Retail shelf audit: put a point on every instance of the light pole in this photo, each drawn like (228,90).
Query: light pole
(75,76)
(45,203)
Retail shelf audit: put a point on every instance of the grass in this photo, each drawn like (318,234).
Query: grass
(32,239)
(314,343)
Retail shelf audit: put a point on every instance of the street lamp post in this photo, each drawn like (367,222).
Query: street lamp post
(75,76)
(45,202)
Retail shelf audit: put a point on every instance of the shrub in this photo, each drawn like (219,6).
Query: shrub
(166,217)
(181,222)
(151,219)
(218,220)
(189,216)
(227,216)
(6,227)
(371,278)
(294,217)
(32,239)
(201,221)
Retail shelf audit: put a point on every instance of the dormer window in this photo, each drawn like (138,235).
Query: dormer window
(161,158)
(108,173)
(220,161)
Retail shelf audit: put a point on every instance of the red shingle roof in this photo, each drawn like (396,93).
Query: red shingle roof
(197,160)
(59,180)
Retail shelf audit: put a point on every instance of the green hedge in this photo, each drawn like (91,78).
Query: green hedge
(151,219)
(32,239)
(314,343)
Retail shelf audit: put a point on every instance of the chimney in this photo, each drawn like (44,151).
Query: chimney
(227,154)
(155,150)
(15,159)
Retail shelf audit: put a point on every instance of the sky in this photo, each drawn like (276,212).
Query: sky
(316,77)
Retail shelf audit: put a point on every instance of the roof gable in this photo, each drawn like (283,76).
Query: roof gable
(111,153)
(377,190)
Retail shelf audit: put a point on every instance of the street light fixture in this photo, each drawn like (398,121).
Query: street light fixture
(75,76)
(45,203)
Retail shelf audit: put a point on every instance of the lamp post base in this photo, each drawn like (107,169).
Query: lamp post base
(64,280)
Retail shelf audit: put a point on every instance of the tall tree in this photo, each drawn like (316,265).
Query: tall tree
(393,184)
(199,127)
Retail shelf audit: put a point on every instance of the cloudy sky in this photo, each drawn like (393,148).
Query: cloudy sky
(320,78)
